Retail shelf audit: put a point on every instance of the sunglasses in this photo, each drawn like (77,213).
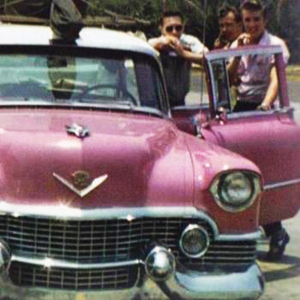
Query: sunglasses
(176,27)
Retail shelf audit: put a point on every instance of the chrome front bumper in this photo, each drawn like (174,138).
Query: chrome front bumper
(183,284)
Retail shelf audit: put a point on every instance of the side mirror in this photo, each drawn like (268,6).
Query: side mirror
(221,114)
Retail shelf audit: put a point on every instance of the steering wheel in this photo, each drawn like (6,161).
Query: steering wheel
(100,86)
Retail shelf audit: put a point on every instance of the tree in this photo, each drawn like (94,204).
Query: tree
(201,15)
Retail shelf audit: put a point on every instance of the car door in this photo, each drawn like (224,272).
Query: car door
(271,138)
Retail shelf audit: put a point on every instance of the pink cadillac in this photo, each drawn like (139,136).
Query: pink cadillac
(103,197)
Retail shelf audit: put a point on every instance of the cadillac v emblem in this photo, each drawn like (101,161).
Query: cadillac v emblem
(78,130)
(82,184)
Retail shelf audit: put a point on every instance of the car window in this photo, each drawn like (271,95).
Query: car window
(221,84)
(197,89)
(71,79)
(248,84)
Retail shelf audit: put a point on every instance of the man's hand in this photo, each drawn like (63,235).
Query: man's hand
(167,43)
(263,107)
(164,43)
(175,45)
(243,40)
(170,42)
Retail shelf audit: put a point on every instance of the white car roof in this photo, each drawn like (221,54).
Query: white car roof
(13,34)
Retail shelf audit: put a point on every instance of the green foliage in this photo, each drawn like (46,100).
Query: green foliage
(131,8)
(198,13)
(201,15)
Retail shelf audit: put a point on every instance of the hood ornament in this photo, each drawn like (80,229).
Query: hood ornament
(78,130)
(82,185)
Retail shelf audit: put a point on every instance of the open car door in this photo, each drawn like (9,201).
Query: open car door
(271,139)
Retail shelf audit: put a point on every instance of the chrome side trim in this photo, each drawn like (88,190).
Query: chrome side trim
(241,237)
(65,212)
(258,114)
(282,184)
(54,263)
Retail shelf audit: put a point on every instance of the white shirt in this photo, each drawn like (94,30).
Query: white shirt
(177,69)
(254,70)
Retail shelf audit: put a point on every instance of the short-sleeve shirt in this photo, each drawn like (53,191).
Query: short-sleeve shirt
(254,70)
(177,69)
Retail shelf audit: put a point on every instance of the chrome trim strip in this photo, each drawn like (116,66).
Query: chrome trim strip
(49,263)
(258,114)
(240,237)
(64,212)
(44,104)
(282,184)
(213,88)
(81,193)
(189,107)
(246,50)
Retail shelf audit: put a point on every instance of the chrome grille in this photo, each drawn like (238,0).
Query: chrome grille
(232,253)
(29,275)
(90,241)
(100,241)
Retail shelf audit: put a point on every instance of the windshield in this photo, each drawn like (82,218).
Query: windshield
(70,79)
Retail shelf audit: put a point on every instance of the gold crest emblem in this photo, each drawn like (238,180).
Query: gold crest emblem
(82,184)
(81,179)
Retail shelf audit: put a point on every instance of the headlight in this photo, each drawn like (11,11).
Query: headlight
(235,191)
(194,241)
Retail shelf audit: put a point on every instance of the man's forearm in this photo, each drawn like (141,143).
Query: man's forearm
(272,89)
(233,68)
(193,57)
(157,43)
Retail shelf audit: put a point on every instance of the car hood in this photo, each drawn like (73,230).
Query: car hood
(126,160)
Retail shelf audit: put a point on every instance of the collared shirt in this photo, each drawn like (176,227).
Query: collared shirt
(221,43)
(177,69)
(254,70)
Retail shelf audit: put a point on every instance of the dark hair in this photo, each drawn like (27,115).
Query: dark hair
(226,9)
(168,14)
(254,5)
(65,20)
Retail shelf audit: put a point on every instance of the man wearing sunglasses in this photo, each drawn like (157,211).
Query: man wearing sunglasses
(178,51)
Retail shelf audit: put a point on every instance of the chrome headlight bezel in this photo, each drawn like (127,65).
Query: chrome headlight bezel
(235,191)
(190,229)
